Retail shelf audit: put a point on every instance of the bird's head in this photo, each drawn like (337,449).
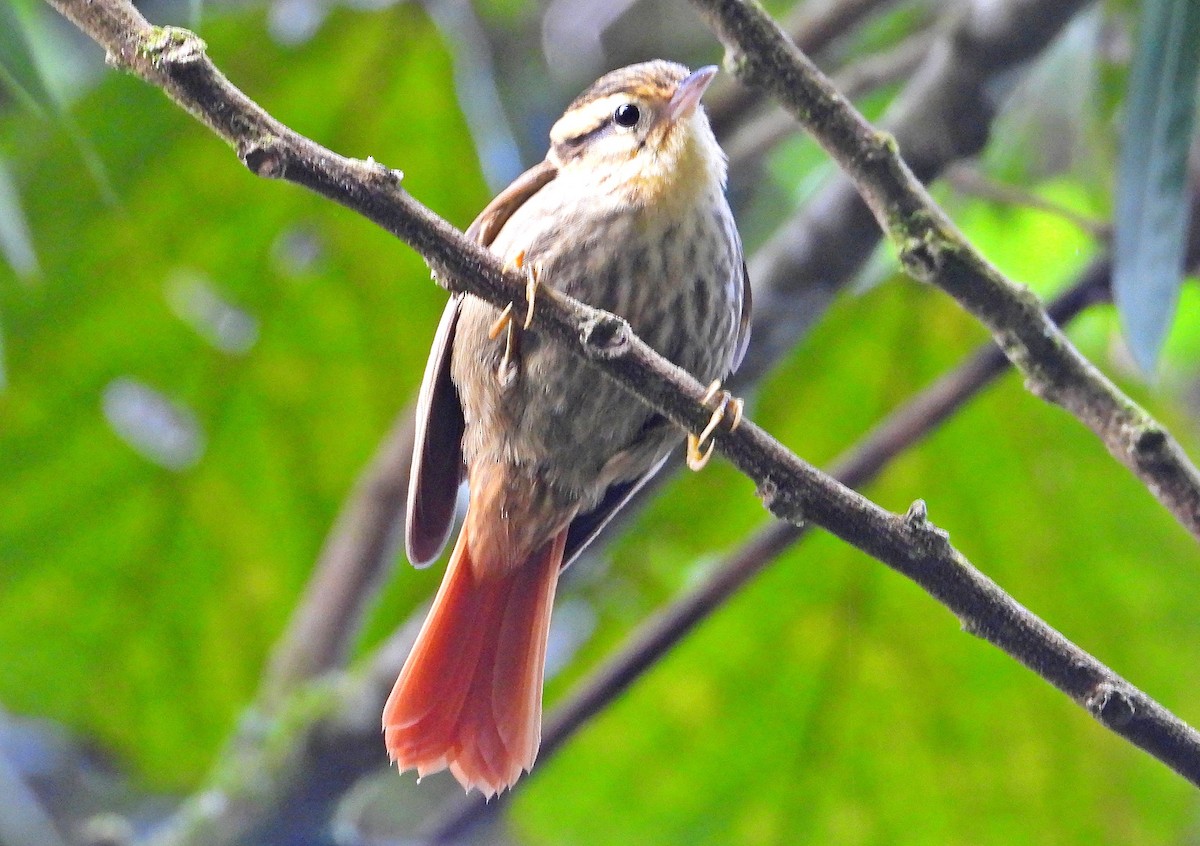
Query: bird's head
(639,133)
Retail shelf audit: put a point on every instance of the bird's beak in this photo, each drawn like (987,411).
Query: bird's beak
(687,96)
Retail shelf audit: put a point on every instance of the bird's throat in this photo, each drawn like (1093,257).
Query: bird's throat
(684,168)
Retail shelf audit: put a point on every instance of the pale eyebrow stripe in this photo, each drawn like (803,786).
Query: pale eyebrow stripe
(588,118)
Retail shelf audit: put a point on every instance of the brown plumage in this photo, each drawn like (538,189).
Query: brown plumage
(627,213)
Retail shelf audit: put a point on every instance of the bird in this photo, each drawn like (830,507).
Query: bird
(627,213)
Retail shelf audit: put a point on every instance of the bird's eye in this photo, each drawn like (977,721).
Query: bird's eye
(626,115)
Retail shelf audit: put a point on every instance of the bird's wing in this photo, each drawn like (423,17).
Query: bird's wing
(492,219)
(743,337)
(586,527)
(437,466)
(437,456)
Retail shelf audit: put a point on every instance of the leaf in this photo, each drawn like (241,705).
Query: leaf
(19,69)
(1151,203)
(16,244)
(31,59)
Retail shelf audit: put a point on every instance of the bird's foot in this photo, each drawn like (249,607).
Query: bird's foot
(728,408)
(510,361)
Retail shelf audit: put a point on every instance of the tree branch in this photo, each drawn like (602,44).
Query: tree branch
(751,140)
(943,115)
(933,250)
(813,31)
(793,490)
(858,466)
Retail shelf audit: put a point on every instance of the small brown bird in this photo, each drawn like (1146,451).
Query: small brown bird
(626,213)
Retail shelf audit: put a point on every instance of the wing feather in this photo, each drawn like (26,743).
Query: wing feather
(743,337)
(587,527)
(437,455)
(491,220)
(437,467)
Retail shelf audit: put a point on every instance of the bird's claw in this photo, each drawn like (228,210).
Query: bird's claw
(533,275)
(502,323)
(697,454)
(507,368)
(512,345)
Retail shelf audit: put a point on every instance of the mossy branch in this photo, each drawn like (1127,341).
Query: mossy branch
(933,250)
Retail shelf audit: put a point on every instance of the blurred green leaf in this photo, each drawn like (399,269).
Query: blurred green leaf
(19,69)
(1051,123)
(16,243)
(1151,201)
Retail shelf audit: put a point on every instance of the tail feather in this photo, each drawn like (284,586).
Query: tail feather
(469,696)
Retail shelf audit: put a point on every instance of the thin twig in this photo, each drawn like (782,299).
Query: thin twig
(968,179)
(932,249)
(752,140)
(729,104)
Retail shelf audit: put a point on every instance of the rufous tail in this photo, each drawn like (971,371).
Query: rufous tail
(470,695)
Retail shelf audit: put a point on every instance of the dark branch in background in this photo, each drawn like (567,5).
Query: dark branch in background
(812,31)
(933,250)
(754,139)
(792,490)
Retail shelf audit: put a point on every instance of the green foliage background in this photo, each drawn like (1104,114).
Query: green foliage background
(831,702)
